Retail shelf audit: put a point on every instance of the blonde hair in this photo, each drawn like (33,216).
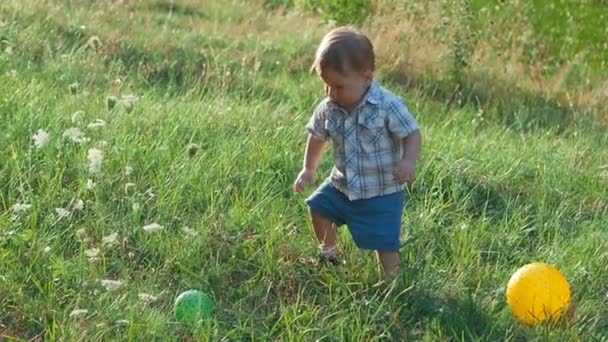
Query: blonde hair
(344,48)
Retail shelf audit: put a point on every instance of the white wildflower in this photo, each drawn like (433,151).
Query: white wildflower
(75,134)
(130,99)
(41,138)
(61,212)
(90,185)
(111,239)
(189,231)
(128,171)
(47,250)
(111,285)
(79,312)
(128,102)
(80,233)
(79,205)
(77,116)
(148,298)
(92,253)
(98,123)
(153,228)
(95,157)
(20,207)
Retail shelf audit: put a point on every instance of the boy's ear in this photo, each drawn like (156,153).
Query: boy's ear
(368,75)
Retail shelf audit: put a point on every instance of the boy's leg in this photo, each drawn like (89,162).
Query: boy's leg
(327,214)
(388,262)
(326,233)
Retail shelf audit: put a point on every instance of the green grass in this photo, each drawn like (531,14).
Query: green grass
(499,185)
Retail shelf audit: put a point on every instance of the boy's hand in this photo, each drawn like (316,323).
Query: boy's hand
(405,172)
(306,177)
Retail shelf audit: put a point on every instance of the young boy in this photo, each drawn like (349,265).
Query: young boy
(376,143)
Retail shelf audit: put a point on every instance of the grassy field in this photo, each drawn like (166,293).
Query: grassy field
(149,147)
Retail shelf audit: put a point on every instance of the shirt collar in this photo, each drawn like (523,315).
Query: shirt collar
(374,94)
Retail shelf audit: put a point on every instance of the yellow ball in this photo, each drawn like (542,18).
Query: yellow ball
(537,292)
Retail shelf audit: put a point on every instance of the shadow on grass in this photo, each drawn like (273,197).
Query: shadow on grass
(515,108)
(173,8)
(458,318)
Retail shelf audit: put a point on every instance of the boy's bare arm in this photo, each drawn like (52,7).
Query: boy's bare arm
(411,146)
(314,151)
(312,159)
(405,170)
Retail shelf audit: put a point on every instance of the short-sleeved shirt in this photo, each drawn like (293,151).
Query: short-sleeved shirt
(366,142)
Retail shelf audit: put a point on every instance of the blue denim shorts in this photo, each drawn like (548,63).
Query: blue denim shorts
(374,223)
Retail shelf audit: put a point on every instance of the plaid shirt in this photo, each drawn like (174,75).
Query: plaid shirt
(367,142)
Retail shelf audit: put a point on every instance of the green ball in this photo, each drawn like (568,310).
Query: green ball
(192,306)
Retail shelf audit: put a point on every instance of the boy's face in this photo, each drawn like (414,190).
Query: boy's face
(346,88)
